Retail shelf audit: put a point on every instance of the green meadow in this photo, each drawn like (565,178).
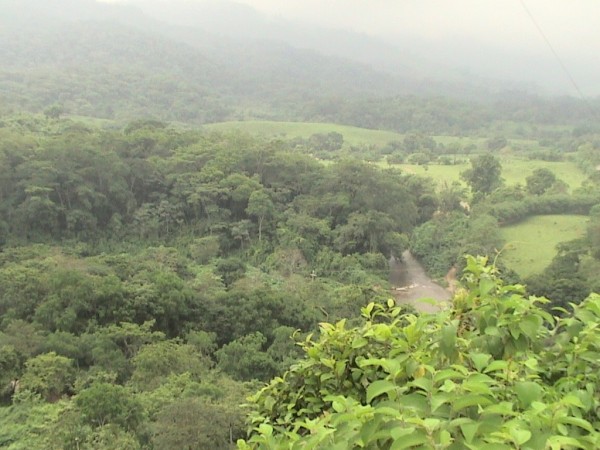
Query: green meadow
(290,130)
(531,244)
(514,170)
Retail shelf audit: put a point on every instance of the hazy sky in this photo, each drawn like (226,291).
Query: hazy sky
(568,24)
(483,36)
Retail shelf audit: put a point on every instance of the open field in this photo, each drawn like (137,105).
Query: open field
(352,135)
(290,130)
(514,170)
(531,244)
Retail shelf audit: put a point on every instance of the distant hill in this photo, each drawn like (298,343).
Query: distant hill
(110,60)
(210,62)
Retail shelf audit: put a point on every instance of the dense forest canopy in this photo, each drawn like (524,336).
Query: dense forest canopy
(168,267)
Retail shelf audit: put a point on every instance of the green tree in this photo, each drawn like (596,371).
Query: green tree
(54,112)
(540,181)
(484,175)
(261,207)
(49,375)
(155,362)
(103,403)
(245,358)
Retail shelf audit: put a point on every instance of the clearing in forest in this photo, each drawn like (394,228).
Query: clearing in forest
(290,130)
(531,244)
(514,170)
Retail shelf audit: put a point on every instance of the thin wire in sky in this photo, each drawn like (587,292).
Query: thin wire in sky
(551,47)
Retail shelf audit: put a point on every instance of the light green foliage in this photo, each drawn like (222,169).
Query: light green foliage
(48,375)
(27,424)
(442,242)
(195,425)
(155,362)
(103,403)
(493,371)
(9,368)
(531,244)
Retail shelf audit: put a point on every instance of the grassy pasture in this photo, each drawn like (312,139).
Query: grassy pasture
(290,130)
(352,135)
(514,170)
(531,244)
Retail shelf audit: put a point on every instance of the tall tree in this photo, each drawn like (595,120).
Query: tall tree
(484,175)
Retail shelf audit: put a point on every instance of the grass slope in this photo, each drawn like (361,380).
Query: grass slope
(290,130)
(531,244)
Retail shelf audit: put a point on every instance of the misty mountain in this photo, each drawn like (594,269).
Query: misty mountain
(409,58)
(206,62)
(117,60)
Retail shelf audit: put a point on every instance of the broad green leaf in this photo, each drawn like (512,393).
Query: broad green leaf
(530,325)
(485,286)
(422,383)
(469,400)
(359,342)
(520,436)
(417,437)
(446,374)
(560,442)
(367,310)
(378,388)
(448,340)
(572,400)
(400,432)
(496,365)
(265,429)
(439,399)
(581,423)
(480,360)
(492,331)
(367,430)
(469,430)
(528,392)
(445,438)
(337,406)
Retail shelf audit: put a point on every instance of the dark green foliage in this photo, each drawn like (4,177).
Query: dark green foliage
(102,404)
(562,282)
(244,359)
(540,181)
(442,242)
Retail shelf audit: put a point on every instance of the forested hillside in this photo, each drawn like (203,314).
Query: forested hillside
(124,247)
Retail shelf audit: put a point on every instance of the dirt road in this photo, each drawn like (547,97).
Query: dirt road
(410,284)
